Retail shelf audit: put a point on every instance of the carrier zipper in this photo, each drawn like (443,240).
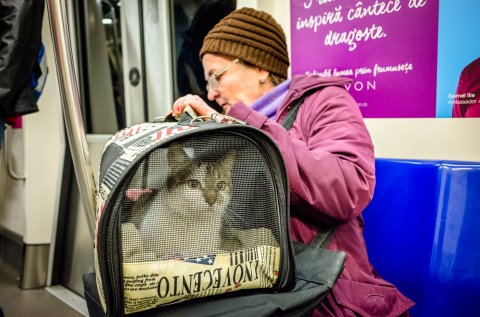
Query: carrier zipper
(115,272)
(102,254)
(109,267)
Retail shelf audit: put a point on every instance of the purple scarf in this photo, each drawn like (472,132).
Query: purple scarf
(268,103)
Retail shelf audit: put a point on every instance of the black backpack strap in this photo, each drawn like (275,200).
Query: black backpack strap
(323,237)
(287,123)
(324,234)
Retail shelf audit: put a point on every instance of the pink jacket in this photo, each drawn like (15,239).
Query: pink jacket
(467,96)
(331,169)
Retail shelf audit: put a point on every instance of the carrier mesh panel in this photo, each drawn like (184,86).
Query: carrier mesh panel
(197,197)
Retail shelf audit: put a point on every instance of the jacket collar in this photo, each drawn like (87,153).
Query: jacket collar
(302,84)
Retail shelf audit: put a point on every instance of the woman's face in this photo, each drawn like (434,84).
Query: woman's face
(237,83)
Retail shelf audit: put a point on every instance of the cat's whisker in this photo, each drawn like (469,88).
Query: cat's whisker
(233,216)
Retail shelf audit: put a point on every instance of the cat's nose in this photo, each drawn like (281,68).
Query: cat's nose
(211,201)
(210,197)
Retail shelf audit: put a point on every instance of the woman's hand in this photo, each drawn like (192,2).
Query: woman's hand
(197,103)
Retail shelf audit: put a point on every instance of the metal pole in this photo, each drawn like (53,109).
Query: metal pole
(71,108)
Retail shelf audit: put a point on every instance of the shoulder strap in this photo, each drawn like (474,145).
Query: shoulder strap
(324,234)
(323,237)
(287,123)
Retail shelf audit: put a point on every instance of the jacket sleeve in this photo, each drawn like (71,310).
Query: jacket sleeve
(20,40)
(328,155)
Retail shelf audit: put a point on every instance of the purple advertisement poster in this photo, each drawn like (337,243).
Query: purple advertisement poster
(388,49)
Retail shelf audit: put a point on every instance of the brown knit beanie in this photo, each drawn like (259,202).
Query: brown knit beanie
(250,35)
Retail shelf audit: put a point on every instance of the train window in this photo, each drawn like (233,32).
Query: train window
(111,22)
(99,52)
(191,22)
(118,91)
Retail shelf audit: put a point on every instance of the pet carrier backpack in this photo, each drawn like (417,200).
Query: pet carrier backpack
(187,210)
(134,275)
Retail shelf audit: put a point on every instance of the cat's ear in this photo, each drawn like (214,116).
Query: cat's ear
(176,155)
(228,159)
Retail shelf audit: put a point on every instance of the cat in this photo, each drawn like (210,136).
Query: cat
(184,218)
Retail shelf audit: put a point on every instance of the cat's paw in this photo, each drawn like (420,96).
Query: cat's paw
(132,243)
(249,238)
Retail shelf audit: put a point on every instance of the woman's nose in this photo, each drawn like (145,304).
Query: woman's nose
(212,94)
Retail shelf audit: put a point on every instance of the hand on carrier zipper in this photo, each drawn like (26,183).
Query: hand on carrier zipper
(195,102)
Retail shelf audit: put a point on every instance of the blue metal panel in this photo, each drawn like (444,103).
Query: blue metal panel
(421,233)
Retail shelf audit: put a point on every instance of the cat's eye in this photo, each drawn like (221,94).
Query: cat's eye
(193,183)
(221,185)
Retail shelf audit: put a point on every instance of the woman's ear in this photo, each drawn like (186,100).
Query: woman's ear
(263,76)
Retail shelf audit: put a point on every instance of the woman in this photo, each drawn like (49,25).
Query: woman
(466,103)
(328,151)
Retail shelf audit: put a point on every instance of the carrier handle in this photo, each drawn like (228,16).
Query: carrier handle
(190,117)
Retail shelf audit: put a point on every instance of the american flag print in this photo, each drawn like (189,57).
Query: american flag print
(205,260)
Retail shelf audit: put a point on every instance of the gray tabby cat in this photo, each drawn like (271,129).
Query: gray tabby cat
(184,218)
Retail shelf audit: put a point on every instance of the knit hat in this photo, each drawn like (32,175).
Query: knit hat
(250,35)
